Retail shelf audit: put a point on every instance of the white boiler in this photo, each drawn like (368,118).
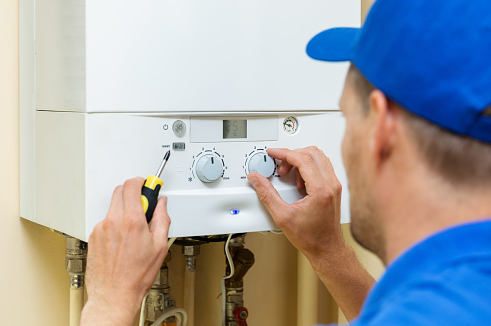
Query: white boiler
(107,87)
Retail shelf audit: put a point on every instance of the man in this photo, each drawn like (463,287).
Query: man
(417,151)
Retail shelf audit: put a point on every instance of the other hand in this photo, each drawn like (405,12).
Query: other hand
(124,257)
(312,224)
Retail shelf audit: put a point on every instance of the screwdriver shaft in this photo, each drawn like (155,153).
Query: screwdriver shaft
(162,165)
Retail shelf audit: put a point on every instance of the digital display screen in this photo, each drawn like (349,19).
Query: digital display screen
(234,129)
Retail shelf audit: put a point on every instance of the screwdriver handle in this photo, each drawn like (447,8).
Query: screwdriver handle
(150,195)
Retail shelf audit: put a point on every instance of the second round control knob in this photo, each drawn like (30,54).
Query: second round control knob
(209,168)
(262,163)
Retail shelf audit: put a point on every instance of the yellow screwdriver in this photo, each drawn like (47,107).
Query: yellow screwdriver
(151,189)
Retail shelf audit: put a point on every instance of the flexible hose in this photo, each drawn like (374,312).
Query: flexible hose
(76,305)
(232,271)
(179,313)
(143,311)
(189,293)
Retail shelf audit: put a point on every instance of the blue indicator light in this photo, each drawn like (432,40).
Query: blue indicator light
(234,212)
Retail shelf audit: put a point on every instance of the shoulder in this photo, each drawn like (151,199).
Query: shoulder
(458,294)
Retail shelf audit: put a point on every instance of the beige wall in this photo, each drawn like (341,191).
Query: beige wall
(33,282)
(365,7)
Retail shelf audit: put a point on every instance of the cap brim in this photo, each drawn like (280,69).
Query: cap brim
(335,44)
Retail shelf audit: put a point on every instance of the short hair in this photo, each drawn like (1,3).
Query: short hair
(461,160)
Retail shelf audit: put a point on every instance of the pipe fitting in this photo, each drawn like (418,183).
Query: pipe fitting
(159,298)
(190,254)
(242,259)
(191,250)
(161,282)
(77,282)
(75,265)
(237,241)
(76,261)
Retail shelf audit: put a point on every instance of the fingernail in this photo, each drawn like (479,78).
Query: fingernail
(252,179)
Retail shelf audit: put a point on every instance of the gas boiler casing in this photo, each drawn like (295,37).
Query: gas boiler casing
(85,156)
(99,81)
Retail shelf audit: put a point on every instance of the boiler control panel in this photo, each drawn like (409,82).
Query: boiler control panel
(205,178)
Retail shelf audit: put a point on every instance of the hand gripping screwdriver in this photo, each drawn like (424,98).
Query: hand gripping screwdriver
(151,189)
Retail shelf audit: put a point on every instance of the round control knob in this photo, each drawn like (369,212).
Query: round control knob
(209,168)
(262,163)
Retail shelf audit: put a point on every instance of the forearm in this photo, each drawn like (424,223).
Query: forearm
(312,224)
(344,277)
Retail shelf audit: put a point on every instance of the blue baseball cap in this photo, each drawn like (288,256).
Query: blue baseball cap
(433,57)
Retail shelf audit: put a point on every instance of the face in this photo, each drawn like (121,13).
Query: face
(365,224)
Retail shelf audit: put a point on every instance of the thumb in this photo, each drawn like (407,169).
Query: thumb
(159,226)
(267,194)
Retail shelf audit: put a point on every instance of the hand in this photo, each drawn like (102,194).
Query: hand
(312,224)
(124,257)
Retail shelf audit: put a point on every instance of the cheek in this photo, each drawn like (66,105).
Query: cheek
(352,153)
(346,146)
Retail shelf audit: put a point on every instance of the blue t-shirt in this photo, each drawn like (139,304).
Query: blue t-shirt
(443,280)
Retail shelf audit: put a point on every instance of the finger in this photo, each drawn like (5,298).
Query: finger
(308,170)
(159,226)
(114,215)
(295,158)
(312,164)
(284,168)
(322,162)
(317,155)
(278,153)
(268,194)
(300,182)
(93,239)
(132,202)
(116,206)
(95,248)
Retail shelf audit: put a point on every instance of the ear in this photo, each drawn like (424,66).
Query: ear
(383,131)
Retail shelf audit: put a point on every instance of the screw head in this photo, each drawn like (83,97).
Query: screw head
(243,314)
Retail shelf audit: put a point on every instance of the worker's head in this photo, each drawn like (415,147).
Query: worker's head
(419,88)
